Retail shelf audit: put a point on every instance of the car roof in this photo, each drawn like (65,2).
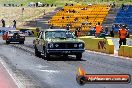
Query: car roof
(55,30)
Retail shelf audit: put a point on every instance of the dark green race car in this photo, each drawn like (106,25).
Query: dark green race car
(58,42)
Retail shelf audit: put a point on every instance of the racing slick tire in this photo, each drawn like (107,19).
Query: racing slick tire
(37,53)
(22,42)
(7,42)
(79,56)
(46,55)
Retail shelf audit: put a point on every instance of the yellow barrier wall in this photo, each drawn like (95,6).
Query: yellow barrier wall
(125,51)
(98,44)
(131,36)
(130,50)
(121,51)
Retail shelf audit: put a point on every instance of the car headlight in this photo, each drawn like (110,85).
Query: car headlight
(9,37)
(80,45)
(51,45)
(75,45)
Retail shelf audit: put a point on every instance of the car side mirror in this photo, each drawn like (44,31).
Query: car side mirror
(73,33)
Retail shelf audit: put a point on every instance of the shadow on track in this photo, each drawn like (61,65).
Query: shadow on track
(61,58)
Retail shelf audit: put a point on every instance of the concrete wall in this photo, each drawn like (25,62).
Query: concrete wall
(125,51)
(98,44)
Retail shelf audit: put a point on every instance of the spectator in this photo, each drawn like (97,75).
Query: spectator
(113,5)
(37,4)
(4,5)
(98,30)
(76,30)
(71,5)
(68,26)
(63,17)
(76,19)
(14,25)
(3,23)
(112,33)
(122,35)
(44,12)
(106,30)
(87,17)
(91,30)
(51,26)
(66,4)
(51,5)
(73,11)
(47,5)
(122,6)
(21,5)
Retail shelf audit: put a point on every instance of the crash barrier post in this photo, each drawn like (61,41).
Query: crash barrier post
(28,31)
(98,44)
(125,51)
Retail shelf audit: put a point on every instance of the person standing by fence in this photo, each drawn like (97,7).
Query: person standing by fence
(14,25)
(3,22)
(122,35)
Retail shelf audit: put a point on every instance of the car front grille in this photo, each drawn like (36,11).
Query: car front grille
(65,46)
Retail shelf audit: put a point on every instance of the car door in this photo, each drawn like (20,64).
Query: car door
(40,42)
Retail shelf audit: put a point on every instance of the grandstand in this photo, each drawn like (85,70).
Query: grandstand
(124,15)
(80,16)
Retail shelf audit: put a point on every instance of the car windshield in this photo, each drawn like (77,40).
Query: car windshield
(59,34)
(12,32)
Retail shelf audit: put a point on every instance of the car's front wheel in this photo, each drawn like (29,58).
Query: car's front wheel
(22,42)
(46,55)
(79,56)
(7,42)
(37,53)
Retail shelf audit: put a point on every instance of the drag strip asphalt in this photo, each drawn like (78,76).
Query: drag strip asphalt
(34,72)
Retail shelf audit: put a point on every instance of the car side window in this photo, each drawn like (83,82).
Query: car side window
(40,36)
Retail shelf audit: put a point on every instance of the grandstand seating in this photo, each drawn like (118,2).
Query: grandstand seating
(125,16)
(78,14)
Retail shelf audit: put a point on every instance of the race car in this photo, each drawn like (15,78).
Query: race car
(14,36)
(58,42)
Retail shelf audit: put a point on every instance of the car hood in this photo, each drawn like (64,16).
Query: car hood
(68,40)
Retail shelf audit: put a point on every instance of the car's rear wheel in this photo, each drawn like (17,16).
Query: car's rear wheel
(79,56)
(37,53)
(7,42)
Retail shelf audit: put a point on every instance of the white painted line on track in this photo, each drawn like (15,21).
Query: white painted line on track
(15,79)
(111,55)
